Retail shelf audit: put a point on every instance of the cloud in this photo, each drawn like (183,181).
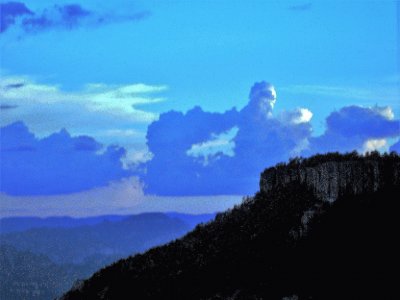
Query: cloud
(193,153)
(7,106)
(123,197)
(56,164)
(301,7)
(374,145)
(297,116)
(114,198)
(202,153)
(177,141)
(113,114)
(16,85)
(262,99)
(218,143)
(356,128)
(66,17)
(112,99)
(10,12)
(380,91)
(372,122)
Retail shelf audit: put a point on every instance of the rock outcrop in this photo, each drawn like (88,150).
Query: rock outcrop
(332,178)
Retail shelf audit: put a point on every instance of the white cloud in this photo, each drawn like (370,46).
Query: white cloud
(304,116)
(374,144)
(297,116)
(218,143)
(136,157)
(385,111)
(109,113)
(300,147)
(113,99)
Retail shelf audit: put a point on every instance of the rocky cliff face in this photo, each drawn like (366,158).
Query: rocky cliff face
(331,179)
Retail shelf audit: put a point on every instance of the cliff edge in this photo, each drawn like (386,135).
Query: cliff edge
(333,175)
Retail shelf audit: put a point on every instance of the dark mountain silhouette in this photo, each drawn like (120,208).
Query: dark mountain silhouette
(320,228)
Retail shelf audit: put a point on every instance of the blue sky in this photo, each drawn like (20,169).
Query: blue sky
(107,70)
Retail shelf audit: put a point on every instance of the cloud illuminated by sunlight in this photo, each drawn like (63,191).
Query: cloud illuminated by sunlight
(47,108)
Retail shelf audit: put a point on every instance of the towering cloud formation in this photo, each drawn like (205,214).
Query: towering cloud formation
(261,140)
(56,164)
(262,99)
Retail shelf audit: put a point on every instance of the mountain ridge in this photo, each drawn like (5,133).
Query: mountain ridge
(286,241)
(23,223)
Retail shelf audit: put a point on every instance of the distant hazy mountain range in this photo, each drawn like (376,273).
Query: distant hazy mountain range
(14,224)
(43,257)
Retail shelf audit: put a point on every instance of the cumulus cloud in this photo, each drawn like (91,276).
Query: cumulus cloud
(297,116)
(192,153)
(67,17)
(113,114)
(180,143)
(356,128)
(56,164)
(374,145)
(218,143)
(365,122)
(170,138)
(202,153)
(262,99)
